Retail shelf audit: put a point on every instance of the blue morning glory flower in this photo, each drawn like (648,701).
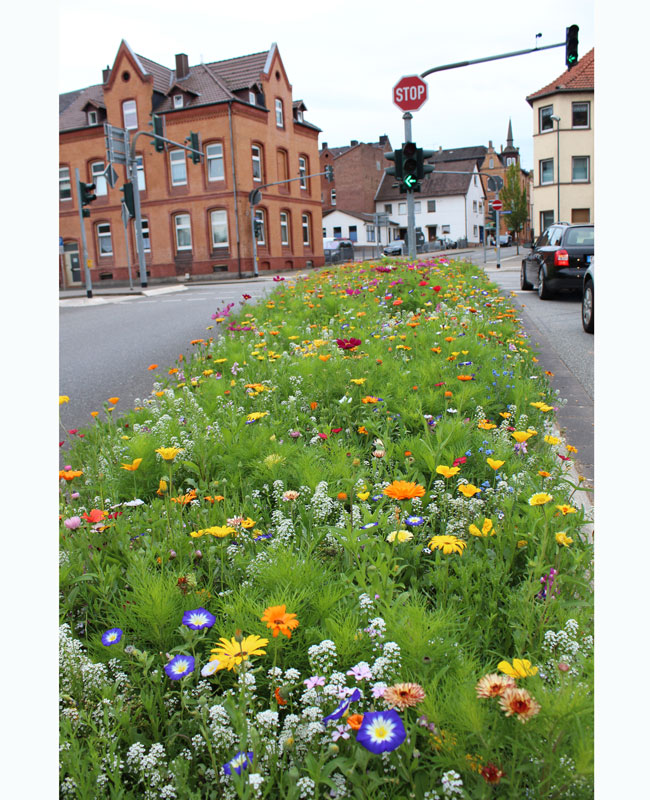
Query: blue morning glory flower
(179,667)
(343,706)
(381,731)
(198,619)
(414,520)
(241,761)
(369,524)
(112,636)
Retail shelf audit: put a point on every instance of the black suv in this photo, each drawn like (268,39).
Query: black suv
(558,259)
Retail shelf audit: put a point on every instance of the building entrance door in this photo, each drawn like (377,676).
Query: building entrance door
(72,262)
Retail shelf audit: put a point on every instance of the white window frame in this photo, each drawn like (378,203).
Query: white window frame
(388,208)
(146,235)
(103,231)
(92,118)
(180,225)
(260,216)
(299,116)
(333,197)
(256,157)
(431,206)
(550,161)
(573,169)
(98,178)
(401,209)
(306,230)
(370,233)
(352,229)
(581,103)
(302,171)
(64,178)
(130,115)
(176,161)
(178,101)
(417,206)
(219,222)
(214,159)
(279,113)
(251,98)
(543,117)
(284,228)
(475,206)
(142,183)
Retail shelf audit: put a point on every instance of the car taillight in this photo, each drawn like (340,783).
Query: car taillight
(561,258)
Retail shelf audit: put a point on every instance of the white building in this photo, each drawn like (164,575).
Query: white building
(360,227)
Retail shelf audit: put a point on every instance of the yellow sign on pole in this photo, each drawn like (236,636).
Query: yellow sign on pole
(89,262)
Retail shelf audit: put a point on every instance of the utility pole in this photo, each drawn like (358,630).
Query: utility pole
(84,248)
(410,200)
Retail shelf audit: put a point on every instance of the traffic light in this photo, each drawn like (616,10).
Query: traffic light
(572,46)
(329,173)
(195,145)
(158,129)
(128,199)
(257,226)
(395,156)
(410,167)
(86,196)
(423,169)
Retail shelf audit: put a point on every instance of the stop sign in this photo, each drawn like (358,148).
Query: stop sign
(410,93)
(497,205)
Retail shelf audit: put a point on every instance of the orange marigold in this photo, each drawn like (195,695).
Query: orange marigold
(404,490)
(279,621)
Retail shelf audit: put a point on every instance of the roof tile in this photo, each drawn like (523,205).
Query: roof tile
(577,79)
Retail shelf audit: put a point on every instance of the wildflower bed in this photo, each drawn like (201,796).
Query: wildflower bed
(337,553)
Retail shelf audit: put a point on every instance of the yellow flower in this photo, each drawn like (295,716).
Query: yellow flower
(539,499)
(219,531)
(468,489)
(113,400)
(565,509)
(485,530)
(358,381)
(132,467)
(484,425)
(168,453)
(571,449)
(447,472)
(563,539)
(448,544)
(162,487)
(552,439)
(363,495)
(233,652)
(520,668)
(495,464)
(401,536)
(521,436)
(256,415)
(63,398)
(248,523)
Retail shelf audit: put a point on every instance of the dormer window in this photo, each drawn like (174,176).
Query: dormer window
(251,97)
(299,115)
(178,101)
(92,118)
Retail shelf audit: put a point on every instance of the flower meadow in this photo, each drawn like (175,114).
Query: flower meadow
(338,552)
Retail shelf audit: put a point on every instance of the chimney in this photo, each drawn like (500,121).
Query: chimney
(106,74)
(501,149)
(490,144)
(182,66)
(353,143)
(440,148)
(324,145)
(383,139)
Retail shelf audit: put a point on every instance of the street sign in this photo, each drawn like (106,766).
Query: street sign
(410,93)
(117,144)
(110,175)
(495,183)
(497,205)
(255,197)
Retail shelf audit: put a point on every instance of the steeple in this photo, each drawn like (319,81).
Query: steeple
(510,149)
(509,136)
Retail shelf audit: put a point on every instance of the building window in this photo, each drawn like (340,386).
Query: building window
(104,239)
(510,161)
(580,115)
(545,121)
(283,170)
(546,171)
(475,230)
(491,163)
(378,166)
(546,218)
(306,234)
(142,184)
(302,171)
(352,232)
(475,206)
(214,158)
(475,180)
(284,228)
(446,228)
(431,205)
(146,241)
(388,208)
(178,168)
(92,118)
(130,114)
(579,215)
(65,187)
(337,232)
(299,116)
(256,155)
(333,197)
(251,98)
(219,226)
(279,113)
(371,233)
(580,169)
(98,178)
(178,101)
(183,232)
(417,206)
(260,226)
(401,209)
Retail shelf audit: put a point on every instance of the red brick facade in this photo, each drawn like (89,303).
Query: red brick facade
(358,170)
(175,205)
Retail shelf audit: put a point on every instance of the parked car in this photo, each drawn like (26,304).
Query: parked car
(338,250)
(505,239)
(558,259)
(588,299)
(396,248)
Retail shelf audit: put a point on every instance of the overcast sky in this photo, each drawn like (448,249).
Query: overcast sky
(343,57)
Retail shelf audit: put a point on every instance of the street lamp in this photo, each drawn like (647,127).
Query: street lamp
(557,119)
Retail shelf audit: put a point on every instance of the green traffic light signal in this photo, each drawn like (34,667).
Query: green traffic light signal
(410,165)
(128,200)
(572,45)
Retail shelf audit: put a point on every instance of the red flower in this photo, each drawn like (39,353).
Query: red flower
(73,431)
(348,344)
(323,435)
(246,296)
(336,430)
(564,458)
(279,698)
(439,384)
(423,283)
(459,461)
(95,515)
(436,288)
(492,773)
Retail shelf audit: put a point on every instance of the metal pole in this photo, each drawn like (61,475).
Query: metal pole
(132,169)
(125,221)
(89,285)
(254,240)
(558,171)
(498,224)
(410,200)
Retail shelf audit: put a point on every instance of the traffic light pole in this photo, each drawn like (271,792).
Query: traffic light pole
(84,248)
(410,200)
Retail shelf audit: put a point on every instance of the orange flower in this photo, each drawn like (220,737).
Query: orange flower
(448,394)
(69,474)
(95,515)
(152,366)
(354,721)
(369,399)
(313,405)
(404,490)
(465,377)
(519,702)
(279,621)
(113,400)
(408,453)
(279,698)
(325,358)
(94,413)
(132,467)
(362,429)
(341,496)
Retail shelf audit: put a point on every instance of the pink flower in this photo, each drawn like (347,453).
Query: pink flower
(348,344)
(378,690)
(316,680)
(341,732)
(360,672)
(72,523)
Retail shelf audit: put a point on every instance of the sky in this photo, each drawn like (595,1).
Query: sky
(344,57)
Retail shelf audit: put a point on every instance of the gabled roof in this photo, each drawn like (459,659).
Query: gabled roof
(577,79)
(71,110)
(435,184)
(460,154)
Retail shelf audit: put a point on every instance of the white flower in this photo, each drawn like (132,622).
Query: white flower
(210,668)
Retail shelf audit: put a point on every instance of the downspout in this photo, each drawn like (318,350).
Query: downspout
(234,188)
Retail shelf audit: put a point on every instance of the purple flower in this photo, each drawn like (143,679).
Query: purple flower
(341,732)
(343,706)
(241,761)
(72,523)
(179,667)
(112,636)
(381,731)
(360,672)
(316,680)
(378,690)
(414,520)
(198,619)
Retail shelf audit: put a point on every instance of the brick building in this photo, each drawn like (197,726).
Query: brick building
(358,170)
(195,217)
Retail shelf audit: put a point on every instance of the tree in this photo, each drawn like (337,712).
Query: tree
(515,199)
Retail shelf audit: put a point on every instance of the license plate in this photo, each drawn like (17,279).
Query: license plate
(589,259)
